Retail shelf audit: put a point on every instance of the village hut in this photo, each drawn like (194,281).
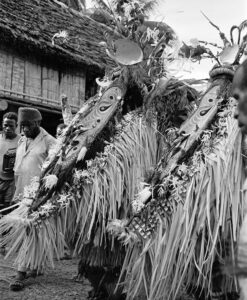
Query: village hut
(47,50)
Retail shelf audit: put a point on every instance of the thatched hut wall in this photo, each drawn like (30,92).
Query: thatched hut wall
(36,70)
(40,83)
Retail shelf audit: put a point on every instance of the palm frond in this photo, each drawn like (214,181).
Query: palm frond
(149,6)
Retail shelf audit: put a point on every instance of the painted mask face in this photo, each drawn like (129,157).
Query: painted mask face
(204,114)
(9,128)
(240,94)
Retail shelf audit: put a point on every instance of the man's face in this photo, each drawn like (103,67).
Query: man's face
(30,129)
(240,94)
(9,128)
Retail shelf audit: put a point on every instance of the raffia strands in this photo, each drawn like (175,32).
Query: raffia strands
(37,242)
(39,238)
(185,246)
(112,187)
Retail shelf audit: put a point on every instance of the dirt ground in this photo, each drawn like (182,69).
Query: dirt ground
(55,284)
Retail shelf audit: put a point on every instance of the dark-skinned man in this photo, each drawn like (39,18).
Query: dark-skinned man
(8,144)
(33,149)
(240,94)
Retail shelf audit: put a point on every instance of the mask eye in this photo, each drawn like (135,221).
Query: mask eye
(103,108)
(204,112)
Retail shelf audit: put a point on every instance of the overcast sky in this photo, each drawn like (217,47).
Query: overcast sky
(185,18)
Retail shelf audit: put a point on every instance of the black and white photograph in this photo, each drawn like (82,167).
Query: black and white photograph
(123,150)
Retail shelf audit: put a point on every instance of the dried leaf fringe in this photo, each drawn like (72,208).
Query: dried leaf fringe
(185,246)
(41,237)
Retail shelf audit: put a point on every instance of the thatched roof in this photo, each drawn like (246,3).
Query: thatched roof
(28,26)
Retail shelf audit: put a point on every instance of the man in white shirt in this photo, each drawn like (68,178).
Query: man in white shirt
(33,149)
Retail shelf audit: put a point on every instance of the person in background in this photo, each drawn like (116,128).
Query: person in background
(33,149)
(60,129)
(8,145)
(239,91)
